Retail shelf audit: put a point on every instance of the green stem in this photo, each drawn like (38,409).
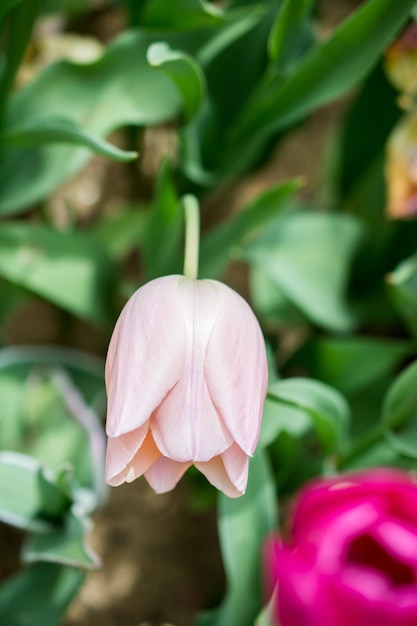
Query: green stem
(20,24)
(192,236)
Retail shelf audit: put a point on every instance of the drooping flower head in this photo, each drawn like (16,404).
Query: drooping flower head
(186,378)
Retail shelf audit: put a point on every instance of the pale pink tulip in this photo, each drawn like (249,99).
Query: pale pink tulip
(186,378)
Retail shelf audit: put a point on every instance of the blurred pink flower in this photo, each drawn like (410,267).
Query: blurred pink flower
(352,557)
(186,378)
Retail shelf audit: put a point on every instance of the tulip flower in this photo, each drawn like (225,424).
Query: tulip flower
(352,553)
(186,378)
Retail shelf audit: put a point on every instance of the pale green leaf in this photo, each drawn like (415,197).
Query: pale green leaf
(185,73)
(308,255)
(39,595)
(37,132)
(69,269)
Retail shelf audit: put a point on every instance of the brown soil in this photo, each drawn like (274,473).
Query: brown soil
(161,562)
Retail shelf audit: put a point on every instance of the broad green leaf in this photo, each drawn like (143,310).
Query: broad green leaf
(219,55)
(361,143)
(100,97)
(330,70)
(69,269)
(6,5)
(31,496)
(287,28)
(399,414)
(353,363)
(39,595)
(217,246)
(65,544)
(185,73)
(308,255)
(244,523)
(36,132)
(244,21)
(240,44)
(15,41)
(163,229)
(326,407)
(402,287)
(270,303)
(181,14)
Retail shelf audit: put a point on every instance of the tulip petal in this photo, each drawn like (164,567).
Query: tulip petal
(164,474)
(216,473)
(236,463)
(129,457)
(146,354)
(187,425)
(236,367)
(189,433)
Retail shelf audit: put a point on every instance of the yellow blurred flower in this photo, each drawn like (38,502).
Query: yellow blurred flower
(401,169)
(401,66)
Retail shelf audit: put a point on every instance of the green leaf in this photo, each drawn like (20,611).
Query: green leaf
(36,132)
(69,269)
(184,72)
(330,70)
(39,595)
(244,523)
(239,23)
(308,255)
(100,97)
(163,229)
(66,544)
(281,417)
(399,413)
(6,5)
(217,246)
(360,143)
(15,42)
(31,497)
(219,55)
(287,28)
(181,14)
(392,440)
(326,408)
(270,302)
(402,288)
(352,364)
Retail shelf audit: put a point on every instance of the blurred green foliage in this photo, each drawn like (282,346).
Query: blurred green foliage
(330,272)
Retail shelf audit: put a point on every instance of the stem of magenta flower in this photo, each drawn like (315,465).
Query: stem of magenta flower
(192,236)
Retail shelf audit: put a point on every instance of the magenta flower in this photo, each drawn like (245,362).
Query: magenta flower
(186,378)
(352,556)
